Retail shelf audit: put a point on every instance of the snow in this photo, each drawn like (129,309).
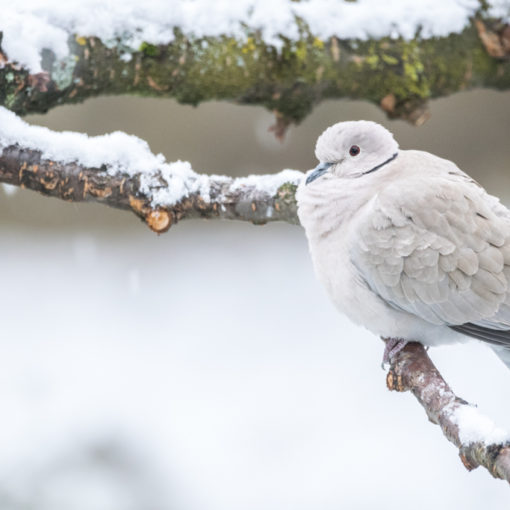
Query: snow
(31,25)
(120,153)
(268,183)
(9,189)
(475,427)
(500,9)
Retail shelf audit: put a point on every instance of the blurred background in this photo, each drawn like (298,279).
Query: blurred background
(206,369)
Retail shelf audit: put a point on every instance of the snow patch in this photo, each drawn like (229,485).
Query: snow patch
(268,183)
(500,9)
(474,427)
(9,189)
(29,26)
(120,153)
(115,153)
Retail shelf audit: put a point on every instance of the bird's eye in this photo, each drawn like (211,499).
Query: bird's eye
(354,150)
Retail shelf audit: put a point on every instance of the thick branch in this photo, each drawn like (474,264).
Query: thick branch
(412,370)
(247,199)
(398,75)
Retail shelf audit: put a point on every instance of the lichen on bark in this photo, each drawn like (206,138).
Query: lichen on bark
(397,74)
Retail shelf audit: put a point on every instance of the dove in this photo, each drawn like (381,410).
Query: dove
(405,243)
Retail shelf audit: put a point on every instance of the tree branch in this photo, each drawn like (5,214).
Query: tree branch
(248,199)
(399,75)
(479,442)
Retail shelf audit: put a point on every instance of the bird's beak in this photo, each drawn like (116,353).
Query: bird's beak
(320,169)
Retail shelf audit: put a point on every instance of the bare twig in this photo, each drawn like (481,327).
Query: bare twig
(412,370)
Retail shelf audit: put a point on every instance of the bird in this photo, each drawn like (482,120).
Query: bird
(406,243)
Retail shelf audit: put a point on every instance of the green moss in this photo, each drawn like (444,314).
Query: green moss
(301,51)
(10,101)
(149,49)
(287,193)
(388,59)
(372,61)
(290,79)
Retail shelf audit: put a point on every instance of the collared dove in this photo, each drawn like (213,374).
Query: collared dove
(405,242)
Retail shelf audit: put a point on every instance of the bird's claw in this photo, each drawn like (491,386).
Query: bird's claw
(393,347)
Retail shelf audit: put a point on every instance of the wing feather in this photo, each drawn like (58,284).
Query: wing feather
(442,254)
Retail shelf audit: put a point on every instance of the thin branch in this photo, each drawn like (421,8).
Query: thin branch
(246,199)
(412,370)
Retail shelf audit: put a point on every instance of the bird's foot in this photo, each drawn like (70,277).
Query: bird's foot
(393,347)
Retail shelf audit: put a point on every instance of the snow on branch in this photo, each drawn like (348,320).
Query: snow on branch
(479,441)
(120,170)
(285,55)
(32,26)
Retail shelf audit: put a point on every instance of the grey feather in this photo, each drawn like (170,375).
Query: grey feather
(500,340)
(436,255)
(503,353)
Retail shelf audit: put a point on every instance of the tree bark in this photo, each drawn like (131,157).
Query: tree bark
(412,370)
(229,198)
(398,75)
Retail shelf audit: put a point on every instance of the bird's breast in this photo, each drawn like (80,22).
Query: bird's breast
(330,220)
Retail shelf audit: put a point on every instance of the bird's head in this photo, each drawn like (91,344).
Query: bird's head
(353,149)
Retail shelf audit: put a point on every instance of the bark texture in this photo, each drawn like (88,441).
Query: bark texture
(412,370)
(75,183)
(398,75)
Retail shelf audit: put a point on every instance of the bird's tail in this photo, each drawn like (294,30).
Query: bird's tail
(503,354)
(498,339)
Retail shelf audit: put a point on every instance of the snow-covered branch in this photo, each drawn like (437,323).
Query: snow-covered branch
(120,171)
(479,441)
(282,54)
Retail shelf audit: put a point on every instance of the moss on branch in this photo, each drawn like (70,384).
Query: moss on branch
(399,75)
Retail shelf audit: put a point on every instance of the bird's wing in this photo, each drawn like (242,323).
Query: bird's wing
(439,247)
